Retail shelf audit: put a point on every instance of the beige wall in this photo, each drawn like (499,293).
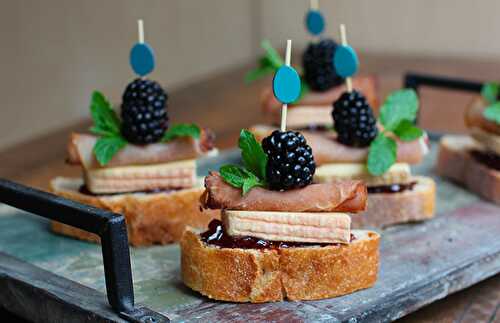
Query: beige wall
(55,52)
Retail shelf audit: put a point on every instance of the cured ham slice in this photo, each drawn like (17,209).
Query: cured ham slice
(474,117)
(80,151)
(327,150)
(342,196)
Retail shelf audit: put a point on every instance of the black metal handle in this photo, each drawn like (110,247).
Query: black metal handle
(109,226)
(416,80)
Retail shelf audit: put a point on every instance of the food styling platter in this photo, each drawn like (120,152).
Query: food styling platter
(54,277)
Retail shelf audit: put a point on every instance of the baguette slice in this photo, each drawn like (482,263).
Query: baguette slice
(308,273)
(454,162)
(157,218)
(386,209)
(399,173)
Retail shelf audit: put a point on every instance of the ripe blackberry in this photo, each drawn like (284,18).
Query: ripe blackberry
(353,120)
(319,72)
(290,160)
(144,114)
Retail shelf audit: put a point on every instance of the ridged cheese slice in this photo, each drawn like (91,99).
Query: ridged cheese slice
(399,173)
(289,226)
(180,174)
(490,141)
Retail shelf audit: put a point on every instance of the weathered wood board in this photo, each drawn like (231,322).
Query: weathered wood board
(420,263)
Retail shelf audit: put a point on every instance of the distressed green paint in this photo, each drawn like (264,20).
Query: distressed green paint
(156,271)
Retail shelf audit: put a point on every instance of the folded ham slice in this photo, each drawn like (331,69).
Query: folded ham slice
(322,101)
(327,150)
(342,196)
(474,117)
(80,151)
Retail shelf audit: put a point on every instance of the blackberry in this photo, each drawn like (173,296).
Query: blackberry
(144,114)
(290,160)
(319,72)
(353,120)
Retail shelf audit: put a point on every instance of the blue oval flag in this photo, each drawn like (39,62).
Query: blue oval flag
(345,61)
(315,23)
(142,59)
(286,84)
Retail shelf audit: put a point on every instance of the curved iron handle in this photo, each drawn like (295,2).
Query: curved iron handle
(109,226)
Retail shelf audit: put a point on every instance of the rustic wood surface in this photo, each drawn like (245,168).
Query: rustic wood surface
(34,162)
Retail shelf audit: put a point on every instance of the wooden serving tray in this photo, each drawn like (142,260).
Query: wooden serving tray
(420,263)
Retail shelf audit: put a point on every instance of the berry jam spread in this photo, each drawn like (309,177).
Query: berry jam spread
(393,188)
(487,158)
(84,190)
(217,236)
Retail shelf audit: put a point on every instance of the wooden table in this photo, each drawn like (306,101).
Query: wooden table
(225,104)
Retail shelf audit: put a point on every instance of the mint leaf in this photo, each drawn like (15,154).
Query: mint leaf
(490,91)
(106,147)
(399,105)
(106,122)
(254,157)
(407,131)
(492,112)
(239,177)
(382,154)
(268,63)
(182,130)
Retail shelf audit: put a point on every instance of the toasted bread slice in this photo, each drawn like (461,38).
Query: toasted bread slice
(455,162)
(157,218)
(386,209)
(305,273)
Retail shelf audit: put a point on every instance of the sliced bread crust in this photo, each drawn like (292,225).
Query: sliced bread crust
(251,275)
(455,162)
(157,218)
(386,209)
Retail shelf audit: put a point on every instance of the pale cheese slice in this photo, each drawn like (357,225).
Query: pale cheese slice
(289,226)
(174,175)
(399,173)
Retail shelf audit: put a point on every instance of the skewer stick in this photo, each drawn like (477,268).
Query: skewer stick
(140,27)
(314,4)
(343,38)
(284,108)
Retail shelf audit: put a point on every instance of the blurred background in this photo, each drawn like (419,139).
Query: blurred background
(56,52)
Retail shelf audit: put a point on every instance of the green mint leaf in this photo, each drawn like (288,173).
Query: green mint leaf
(268,64)
(182,130)
(258,73)
(492,112)
(399,105)
(106,147)
(490,91)
(254,157)
(407,131)
(272,54)
(382,154)
(239,177)
(105,120)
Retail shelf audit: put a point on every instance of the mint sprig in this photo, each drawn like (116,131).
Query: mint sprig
(397,115)
(253,171)
(268,65)
(382,154)
(490,92)
(240,177)
(107,127)
(182,130)
(106,147)
(254,157)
